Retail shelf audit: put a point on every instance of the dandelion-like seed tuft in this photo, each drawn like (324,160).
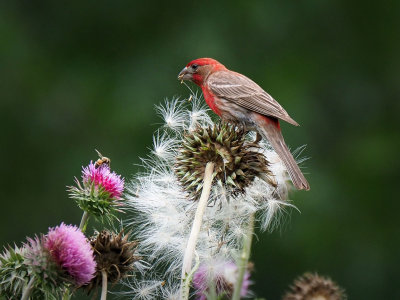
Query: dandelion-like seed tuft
(249,179)
(237,161)
(217,278)
(314,287)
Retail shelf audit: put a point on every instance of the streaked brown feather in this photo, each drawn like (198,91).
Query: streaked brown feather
(246,93)
(269,129)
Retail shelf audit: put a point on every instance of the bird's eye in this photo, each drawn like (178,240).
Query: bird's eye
(194,66)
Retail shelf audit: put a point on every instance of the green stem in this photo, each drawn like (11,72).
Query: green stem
(84,221)
(28,289)
(104,285)
(212,290)
(197,222)
(244,258)
(188,278)
(66,295)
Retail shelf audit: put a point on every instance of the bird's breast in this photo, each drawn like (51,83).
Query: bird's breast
(211,100)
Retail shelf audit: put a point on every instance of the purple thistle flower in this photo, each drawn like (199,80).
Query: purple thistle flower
(220,275)
(101,191)
(102,177)
(70,249)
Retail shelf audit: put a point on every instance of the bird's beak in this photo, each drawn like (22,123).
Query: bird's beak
(181,75)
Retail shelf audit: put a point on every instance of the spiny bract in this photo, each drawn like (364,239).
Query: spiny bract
(237,161)
(14,273)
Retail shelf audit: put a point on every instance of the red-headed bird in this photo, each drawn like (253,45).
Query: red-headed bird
(238,99)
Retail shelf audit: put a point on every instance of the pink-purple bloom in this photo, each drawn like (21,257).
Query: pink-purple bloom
(70,249)
(220,275)
(103,177)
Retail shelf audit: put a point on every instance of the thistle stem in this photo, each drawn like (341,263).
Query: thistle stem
(28,289)
(244,258)
(198,219)
(66,295)
(84,220)
(104,285)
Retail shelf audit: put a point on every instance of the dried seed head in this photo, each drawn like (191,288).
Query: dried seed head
(114,253)
(237,161)
(314,287)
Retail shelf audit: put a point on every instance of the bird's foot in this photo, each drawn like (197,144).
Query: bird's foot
(258,138)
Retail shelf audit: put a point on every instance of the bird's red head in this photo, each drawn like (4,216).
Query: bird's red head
(199,69)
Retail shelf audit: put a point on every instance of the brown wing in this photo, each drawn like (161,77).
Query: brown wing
(246,93)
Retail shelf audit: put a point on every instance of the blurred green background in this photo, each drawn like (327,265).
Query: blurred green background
(80,75)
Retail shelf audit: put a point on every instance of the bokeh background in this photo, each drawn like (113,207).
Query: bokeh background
(80,75)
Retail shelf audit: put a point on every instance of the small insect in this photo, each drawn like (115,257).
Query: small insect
(102,160)
(190,98)
(163,283)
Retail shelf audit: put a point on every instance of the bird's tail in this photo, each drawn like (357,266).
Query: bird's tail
(269,128)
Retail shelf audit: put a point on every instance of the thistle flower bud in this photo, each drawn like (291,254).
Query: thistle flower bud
(314,287)
(100,191)
(114,254)
(218,278)
(237,161)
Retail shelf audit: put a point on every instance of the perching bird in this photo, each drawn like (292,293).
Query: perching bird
(238,99)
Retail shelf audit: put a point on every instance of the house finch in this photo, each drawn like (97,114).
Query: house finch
(238,99)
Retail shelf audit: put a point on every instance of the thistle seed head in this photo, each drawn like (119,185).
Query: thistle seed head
(115,254)
(158,197)
(314,287)
(237,161)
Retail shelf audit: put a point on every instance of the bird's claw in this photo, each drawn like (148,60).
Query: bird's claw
(258,138)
